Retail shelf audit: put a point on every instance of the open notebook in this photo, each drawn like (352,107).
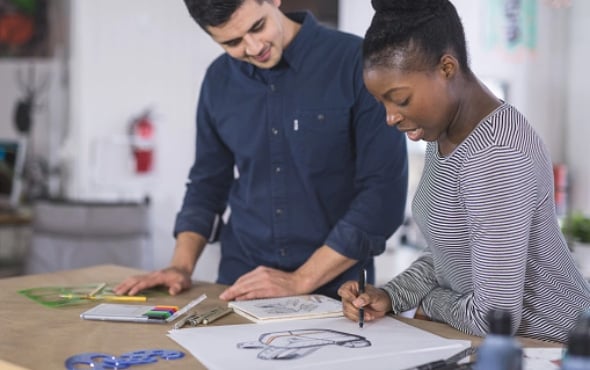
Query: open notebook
(310,306)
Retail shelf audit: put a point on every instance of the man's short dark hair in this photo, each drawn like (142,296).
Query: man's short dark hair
(212,13)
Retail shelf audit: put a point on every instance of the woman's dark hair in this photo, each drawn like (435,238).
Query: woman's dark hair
(212,12)
(414,35)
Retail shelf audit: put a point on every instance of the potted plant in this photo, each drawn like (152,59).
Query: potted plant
(576,229)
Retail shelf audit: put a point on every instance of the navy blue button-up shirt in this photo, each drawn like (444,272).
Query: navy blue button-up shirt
(301,154)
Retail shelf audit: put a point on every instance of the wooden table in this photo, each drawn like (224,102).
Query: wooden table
(37,337)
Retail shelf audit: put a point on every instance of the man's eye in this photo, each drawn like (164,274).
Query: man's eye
(258,27)
(232,43)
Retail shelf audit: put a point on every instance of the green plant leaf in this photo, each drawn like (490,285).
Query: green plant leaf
(577,227)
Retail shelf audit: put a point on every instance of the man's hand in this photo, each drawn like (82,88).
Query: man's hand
(174,278)
(375,302)
(262,282)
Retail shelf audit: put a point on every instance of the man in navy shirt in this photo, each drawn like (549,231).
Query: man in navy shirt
(289,138)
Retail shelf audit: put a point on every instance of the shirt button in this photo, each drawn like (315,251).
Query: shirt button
(279,211)
(274,131)
(283,252)
(321,117)
(278,169)
(272,87)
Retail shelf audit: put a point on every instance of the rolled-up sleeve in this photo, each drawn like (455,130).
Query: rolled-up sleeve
(210,177)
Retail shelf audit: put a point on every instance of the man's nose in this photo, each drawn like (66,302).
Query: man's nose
(253,46)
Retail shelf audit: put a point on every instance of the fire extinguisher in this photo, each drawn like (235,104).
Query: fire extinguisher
(142,137)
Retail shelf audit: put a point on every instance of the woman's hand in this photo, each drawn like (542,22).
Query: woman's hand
(376,302)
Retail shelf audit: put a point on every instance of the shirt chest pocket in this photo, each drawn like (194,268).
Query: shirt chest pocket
(322,139)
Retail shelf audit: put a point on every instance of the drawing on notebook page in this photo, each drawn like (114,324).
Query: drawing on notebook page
(292,305)
(293,344)
(288,308)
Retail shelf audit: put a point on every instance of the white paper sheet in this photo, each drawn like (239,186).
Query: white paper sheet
(542,358)
(331,343)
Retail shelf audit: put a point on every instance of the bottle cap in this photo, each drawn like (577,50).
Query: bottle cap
(500,322)
(578,343)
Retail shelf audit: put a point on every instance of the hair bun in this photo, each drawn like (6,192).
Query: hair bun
(407,5)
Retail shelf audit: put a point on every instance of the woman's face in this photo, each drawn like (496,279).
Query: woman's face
(419,103)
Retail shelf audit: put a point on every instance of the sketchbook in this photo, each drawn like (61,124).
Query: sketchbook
(310,306)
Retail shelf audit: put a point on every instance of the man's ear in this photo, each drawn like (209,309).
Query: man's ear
(449,65)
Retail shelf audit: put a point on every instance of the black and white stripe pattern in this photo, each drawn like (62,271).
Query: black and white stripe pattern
(487,213)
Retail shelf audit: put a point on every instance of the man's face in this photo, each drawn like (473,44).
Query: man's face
(255,33)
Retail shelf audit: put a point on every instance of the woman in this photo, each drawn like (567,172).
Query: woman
(485,201)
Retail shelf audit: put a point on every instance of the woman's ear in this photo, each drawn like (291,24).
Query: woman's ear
(449,65)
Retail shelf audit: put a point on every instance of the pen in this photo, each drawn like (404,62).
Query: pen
(122,298)
(451,363)
(97,290)
(215,314)
(362,282)
(188,307)
(192,319)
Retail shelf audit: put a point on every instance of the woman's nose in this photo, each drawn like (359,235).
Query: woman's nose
(393,118)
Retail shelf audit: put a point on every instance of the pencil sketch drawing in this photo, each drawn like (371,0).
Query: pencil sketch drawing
(292,305)
(293,344)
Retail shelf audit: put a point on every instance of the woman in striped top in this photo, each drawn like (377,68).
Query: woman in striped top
(485,201)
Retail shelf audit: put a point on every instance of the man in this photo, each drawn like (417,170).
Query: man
(321,180)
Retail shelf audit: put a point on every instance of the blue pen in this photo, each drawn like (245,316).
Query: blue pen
(362,283)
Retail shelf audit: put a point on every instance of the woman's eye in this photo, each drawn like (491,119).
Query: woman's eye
(403,103)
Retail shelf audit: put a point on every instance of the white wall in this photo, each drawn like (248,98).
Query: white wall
(577,130)
(127,56)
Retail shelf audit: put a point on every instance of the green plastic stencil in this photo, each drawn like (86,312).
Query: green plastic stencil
(50,296)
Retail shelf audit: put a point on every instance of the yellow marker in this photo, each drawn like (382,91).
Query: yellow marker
(120,298)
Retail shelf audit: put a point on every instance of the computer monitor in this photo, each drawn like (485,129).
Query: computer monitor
(12,158)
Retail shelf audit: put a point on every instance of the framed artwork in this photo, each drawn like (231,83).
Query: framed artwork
(326,11)
(24,28)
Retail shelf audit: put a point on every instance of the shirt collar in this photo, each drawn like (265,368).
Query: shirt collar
(294,54)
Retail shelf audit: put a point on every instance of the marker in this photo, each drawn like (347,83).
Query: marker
(120,298)
(362,283)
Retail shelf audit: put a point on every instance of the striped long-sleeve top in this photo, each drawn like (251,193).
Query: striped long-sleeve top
(487,214)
